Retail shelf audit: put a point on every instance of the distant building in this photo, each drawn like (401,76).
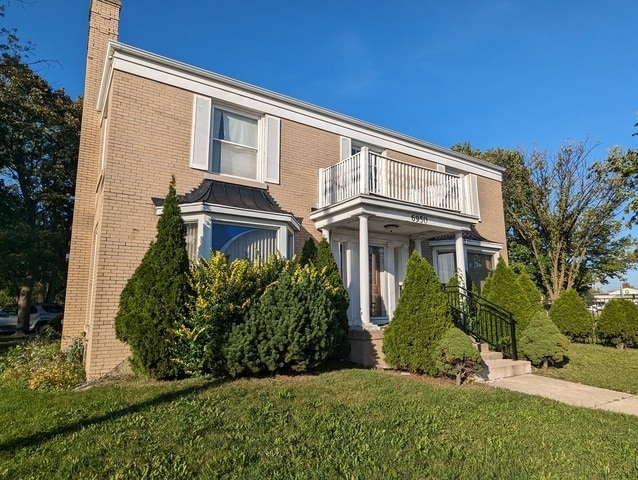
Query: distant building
(626,292)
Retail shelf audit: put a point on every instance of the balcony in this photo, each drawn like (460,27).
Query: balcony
(367,173)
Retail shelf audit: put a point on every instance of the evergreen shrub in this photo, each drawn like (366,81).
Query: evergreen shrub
(153,302)
(291,328)
(420,320)
(618,324)
(223,293)
(541,342)
(455,356)
(570,314)
(505,290)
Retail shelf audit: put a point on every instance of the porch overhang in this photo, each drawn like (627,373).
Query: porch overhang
(383,213)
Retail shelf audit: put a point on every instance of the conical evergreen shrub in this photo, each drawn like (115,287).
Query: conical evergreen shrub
(570,314)
(618,324)
(542,343)
(505,290)
(290,328)
(153,302)
(420,319)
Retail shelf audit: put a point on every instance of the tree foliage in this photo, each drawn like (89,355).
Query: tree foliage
(562,215)
(421,318)
(39,141)
(153,302)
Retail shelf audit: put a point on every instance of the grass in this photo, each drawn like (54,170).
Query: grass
(349,423)
(604,367)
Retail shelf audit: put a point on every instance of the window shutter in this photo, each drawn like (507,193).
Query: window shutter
(473,195)
(346,148)
(272,136)
(200,149)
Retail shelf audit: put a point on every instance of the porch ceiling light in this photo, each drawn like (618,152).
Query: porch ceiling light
(391,227)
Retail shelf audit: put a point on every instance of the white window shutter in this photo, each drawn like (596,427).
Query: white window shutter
(473,195)
(200,149)
(272,135)
(346,148)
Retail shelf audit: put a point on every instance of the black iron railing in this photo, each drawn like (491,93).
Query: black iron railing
(484,320)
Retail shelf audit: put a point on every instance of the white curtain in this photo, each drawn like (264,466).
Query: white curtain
(446,266)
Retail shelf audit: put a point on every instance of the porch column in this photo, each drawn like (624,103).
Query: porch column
(418,246)
(364,271)
(460,258)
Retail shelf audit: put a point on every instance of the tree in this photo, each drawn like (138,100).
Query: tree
(153,303)
(562,215)
(456,356)
(39,141)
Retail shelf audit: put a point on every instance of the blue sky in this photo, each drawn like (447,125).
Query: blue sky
(494,73)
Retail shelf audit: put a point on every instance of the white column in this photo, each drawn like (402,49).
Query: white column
(418,246)
(460,258)
(364,271)
(391,280)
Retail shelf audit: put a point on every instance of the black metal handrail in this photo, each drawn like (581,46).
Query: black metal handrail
(484,320)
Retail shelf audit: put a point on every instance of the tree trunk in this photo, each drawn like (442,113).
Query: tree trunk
(24,305)
(459,378)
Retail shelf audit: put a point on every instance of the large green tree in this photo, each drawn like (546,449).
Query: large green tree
(562,215)
(39,139)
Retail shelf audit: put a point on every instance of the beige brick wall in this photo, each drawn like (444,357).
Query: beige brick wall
(492,225)
(103,25)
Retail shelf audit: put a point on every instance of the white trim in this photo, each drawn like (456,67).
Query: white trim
(147,65)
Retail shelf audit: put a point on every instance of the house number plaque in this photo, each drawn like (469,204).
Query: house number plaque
(419,219)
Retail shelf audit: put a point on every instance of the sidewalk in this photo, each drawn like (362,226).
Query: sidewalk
(570,393)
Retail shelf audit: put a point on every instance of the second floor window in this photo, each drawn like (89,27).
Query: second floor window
(235,144)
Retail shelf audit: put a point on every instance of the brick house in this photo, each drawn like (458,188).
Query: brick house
(258,173)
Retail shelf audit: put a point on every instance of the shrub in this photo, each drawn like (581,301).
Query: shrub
(530,290)
(455,356)
(290,328)
(153,302)
(420,319)
(541,342)
(618,324)
(333,283)
(308,252)
(570,314)
(40,364)
(223,293)
(504,289)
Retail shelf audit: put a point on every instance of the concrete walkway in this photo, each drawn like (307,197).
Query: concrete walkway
(570,393)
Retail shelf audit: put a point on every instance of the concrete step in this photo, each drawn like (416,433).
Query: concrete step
(491,356)
(504,368)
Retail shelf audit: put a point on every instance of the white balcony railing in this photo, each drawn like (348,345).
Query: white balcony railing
(369,173)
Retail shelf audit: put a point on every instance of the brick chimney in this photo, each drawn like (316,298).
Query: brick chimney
(103,27)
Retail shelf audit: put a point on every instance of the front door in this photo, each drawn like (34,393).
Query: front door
(378,282)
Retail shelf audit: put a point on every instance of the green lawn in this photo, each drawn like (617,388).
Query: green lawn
(604,367)
(349,423)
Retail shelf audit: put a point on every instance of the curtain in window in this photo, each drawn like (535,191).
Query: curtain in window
(235,144)
(244,242)
(446,266)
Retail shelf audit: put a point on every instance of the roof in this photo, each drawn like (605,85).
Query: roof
(467,235)
(215,192)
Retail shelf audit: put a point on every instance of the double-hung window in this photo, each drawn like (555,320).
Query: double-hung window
(235,144)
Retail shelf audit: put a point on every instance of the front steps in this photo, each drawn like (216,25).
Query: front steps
(496,367)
